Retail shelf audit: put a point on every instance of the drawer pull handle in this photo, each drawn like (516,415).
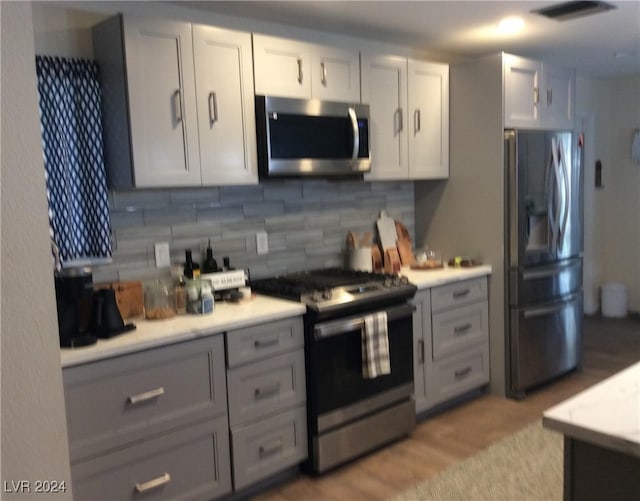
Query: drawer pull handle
(154,483)
(462,372)
(266,392)
(269,449)
(264,343)
(461,329)
(147,395)
(459,294)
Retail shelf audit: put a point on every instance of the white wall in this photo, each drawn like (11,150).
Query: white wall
(592,110)
(612,212)
(34,432)
(620,247)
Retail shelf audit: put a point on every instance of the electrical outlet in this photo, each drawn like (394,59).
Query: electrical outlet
(262,242)
(163,258)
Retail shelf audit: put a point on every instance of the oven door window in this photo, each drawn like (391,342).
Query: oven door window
(336,367)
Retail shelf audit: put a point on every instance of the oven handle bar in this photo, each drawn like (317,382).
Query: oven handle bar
(333,328)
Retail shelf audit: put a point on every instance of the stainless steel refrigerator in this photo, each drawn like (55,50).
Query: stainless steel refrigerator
(543,253)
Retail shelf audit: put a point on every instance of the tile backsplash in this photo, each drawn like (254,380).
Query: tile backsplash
(306,222)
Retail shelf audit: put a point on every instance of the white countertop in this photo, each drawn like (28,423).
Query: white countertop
(226,316)
(154,333)
(424,279)
(607,414)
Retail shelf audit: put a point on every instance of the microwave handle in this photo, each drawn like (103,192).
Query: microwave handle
(356,133)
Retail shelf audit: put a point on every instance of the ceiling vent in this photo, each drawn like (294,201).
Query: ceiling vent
(570,10)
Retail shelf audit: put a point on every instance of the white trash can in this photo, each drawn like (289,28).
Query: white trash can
(614,300)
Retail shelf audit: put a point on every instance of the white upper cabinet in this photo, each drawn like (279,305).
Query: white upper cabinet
(522,79)
(224,95)
(335,74)
(384,88)
(537,95)
(164,129)
(559,86)
(409,117)
(290,68)
(189,91)
(429,120)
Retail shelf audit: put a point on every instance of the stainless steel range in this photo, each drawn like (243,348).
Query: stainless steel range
(349,414)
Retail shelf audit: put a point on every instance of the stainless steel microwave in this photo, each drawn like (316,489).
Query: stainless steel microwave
(303,138)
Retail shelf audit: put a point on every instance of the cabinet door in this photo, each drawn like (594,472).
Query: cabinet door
(162,102)
(224,95)
(384,88)
(558,97)
(192,462)
(282,67)
(422,350)
(522,80)
(335,74)
(428,120)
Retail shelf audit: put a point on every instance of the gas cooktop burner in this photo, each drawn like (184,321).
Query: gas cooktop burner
(335,288)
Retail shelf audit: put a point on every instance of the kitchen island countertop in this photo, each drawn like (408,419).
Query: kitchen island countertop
(606,415)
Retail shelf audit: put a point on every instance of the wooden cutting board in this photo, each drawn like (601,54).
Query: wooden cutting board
(386,231)
(406,252)
(128,296)
(405,247)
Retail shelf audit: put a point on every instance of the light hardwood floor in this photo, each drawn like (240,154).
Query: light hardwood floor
(441,441)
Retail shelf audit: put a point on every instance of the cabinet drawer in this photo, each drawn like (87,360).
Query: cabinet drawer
(460,328)
(192,463)
(459,293)
(119,400)
(265,387)
(268,447)
(459,373)
(262,341)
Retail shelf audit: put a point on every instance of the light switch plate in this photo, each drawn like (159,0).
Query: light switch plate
(262,242)
(163,258)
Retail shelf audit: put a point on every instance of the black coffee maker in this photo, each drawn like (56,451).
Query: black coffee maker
(74,293)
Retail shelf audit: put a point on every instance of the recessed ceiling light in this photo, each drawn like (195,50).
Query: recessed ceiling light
(510,25)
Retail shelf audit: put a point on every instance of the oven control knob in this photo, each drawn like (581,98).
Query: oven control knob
(388,282)
(404,280)
(326,294)
(316,296)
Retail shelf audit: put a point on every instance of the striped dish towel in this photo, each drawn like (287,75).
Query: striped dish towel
(375,346)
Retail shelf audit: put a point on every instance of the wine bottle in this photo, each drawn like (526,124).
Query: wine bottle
(191,268)
(209,265)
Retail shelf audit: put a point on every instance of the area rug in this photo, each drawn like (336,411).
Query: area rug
(525,466)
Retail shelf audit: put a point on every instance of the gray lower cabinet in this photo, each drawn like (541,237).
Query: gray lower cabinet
(150,424)
(267,399)
(191,463)
(451,335)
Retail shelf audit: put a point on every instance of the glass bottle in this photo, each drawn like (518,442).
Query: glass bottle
(191,268)
(209,265)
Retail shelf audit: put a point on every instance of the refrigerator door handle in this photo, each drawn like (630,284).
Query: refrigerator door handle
(550,271)
(556,196)
(566,193)
(550,193)
(548,310)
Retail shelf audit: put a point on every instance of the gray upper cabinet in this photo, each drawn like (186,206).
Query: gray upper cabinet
(537,95)
(409,110)
(290,68)
(177,102)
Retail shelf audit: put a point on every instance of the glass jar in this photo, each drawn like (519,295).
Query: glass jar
(159,301)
